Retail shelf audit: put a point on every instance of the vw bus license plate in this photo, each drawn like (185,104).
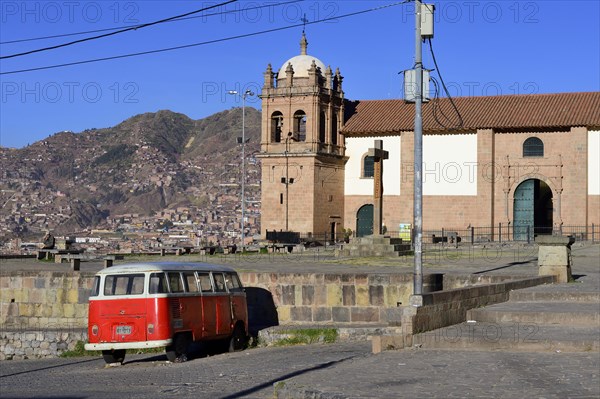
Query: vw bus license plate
(123,330)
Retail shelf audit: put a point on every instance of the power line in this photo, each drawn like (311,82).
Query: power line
(138,25)
(115,33)
(202,43)
(460,119)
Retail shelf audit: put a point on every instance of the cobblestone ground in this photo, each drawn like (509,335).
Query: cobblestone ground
(314,371)
(455,374)
(249,374)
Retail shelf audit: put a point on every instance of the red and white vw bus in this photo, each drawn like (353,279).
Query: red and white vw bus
(151,305)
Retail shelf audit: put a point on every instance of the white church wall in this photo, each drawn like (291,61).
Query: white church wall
(356,147)
(594,162)
(450,164)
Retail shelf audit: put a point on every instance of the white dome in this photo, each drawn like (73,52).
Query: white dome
(301,65)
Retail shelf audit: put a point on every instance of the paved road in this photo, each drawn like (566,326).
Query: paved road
(455,374)
(314,371)
(249,374)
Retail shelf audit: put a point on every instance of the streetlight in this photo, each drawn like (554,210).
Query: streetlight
(287,180)
(243,96)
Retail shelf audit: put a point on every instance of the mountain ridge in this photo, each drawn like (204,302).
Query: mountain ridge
(146,164)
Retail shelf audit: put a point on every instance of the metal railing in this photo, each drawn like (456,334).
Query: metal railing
(500,233)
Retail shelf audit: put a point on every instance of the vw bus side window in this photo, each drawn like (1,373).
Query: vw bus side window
(189,278)
(96,286)
(124,284)
(219,282)
(158,283)
(233,282)
(204,281)
(175,282)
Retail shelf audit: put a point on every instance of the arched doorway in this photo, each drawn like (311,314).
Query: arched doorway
(532,210)
(364,221)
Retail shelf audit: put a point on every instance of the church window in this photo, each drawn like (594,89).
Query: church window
(276,126)
(300,125)
(322,125)
(334,129)
(533,147)
(368,167)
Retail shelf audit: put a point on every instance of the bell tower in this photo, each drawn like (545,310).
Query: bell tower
(302,150)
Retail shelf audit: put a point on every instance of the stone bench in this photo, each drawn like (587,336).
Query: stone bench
(271,248)
(207,250)
(230,249)
(75,260)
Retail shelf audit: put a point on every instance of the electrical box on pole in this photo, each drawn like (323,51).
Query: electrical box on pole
(410,85)
(427,20)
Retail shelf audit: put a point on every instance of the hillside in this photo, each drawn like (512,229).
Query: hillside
(150,163)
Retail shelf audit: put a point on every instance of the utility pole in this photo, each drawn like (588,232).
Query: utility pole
(418,155)
(243,183)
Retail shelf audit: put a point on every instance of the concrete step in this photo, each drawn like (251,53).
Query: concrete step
(554,296)
(565,314)
(320,333)
(511,337)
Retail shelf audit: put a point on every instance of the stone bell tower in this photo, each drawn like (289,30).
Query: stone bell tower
(302,150)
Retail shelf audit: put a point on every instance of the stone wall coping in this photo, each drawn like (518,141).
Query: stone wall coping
(548,240)
(45,273)
(459,294)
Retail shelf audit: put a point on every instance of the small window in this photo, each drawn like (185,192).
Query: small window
(96,286)
(124,284)
(189,278)
(276,126)
(368,166)
(175,282)
(322,126)
(334,129)
(533,147)
(219,282)
(233,283)
(204,281)
(158,283)
(300,125)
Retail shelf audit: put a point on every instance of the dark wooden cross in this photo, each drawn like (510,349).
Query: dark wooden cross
(378,155)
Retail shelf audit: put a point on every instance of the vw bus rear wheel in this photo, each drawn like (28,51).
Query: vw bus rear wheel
(238,340)
(177,352)
(114,356)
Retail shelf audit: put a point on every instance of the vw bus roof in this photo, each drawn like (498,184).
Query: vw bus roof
(142,267)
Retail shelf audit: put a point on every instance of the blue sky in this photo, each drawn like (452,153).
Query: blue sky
(482,48)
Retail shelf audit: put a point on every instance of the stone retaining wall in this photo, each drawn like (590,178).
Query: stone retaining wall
(335,298)
(54,300)
(19,345)
(44,300)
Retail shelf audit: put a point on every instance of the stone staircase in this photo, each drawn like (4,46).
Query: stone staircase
(374,245)
(557,318)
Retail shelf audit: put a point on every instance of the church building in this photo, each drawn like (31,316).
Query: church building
(530,163)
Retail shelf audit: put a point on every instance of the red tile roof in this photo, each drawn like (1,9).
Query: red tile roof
(514,112)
